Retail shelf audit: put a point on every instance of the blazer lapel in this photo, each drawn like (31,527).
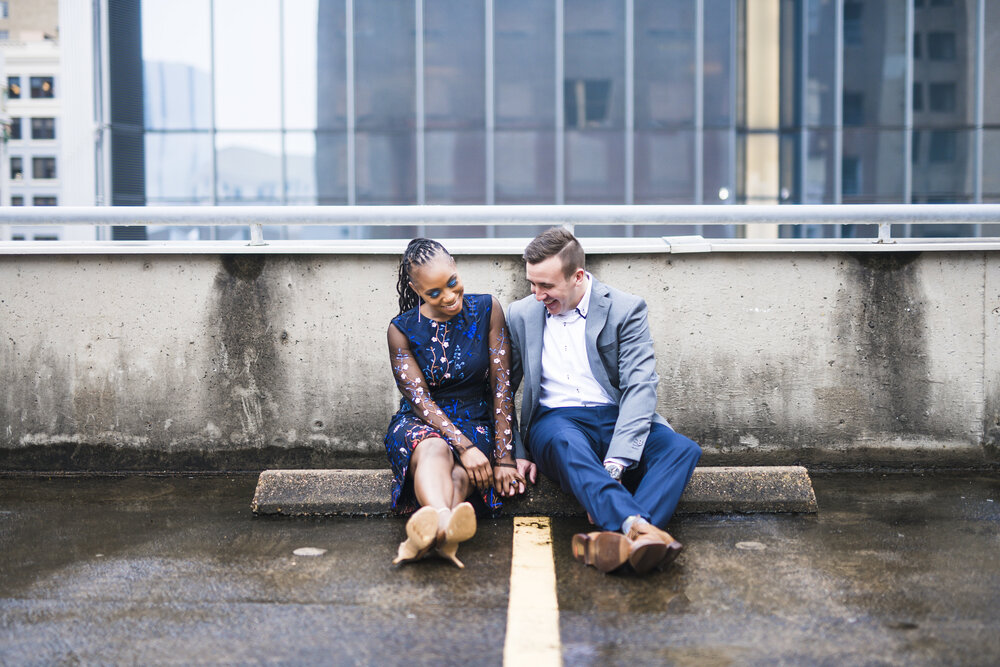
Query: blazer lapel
(597,317)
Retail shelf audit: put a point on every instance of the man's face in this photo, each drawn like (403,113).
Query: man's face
(550,285)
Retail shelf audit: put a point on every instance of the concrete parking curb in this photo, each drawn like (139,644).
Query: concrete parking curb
(366,492)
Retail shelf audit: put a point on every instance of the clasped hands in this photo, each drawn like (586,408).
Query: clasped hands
(507,478)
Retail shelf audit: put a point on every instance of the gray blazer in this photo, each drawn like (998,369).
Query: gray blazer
(620,351)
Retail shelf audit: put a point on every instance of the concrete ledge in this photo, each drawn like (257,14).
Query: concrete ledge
(366,492)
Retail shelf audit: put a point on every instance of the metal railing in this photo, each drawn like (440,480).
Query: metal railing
(885,216)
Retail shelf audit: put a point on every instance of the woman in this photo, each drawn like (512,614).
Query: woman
(453,434)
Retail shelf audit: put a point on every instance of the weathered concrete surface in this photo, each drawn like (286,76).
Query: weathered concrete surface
(893,570)
(249,362)
(365,492)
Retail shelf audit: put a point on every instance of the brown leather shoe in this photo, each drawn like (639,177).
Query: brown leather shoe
(605,550)
(646,553)
(641,531)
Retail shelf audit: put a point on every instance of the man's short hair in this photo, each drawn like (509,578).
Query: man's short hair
(556,241)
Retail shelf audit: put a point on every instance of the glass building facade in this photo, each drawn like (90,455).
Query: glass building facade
(332,102)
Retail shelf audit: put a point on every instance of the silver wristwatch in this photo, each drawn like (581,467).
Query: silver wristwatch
(615,470)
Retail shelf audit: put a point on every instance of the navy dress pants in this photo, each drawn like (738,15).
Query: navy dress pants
(569,446)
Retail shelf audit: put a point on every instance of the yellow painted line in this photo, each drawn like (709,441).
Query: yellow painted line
(533,610)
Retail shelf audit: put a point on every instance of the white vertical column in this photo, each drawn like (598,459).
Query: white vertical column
(699,106)
(908,111)
(490,111)
(560,108)
(419,41)
(629,107)
(977,184)
(352,183)
(800,103)
(838,110)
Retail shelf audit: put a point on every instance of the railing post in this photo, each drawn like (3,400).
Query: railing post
(256,234)
(884,232)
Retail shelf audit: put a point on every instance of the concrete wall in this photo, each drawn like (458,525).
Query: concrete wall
(223,362)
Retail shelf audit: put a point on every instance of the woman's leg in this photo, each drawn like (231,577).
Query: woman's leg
(431,466)
(460,484)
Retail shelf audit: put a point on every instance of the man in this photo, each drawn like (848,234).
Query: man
(588,412)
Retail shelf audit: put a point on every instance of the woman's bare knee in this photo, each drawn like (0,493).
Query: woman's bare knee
(432,448)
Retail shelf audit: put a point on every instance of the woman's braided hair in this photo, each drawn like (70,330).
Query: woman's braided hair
(418,253)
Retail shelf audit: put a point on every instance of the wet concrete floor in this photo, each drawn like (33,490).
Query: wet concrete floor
(894,570)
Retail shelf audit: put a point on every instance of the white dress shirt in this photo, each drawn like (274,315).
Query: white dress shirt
(567,381)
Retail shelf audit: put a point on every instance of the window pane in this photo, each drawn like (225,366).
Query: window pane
(525,167)
(178,167)
(385,65)
(948,84)
(991,71)
(44,200)
(875,43)
(327,159)
(594,95)
(454,64)
(820,168)
(872,169)
(456,167)
(718,156)
(15,128)
(821,33)
(944,170)
(595,167)
(249,167)
(386,168)
(176,65)
(16,169)
(14,87)
(664,63)
(991,166)
(247,59)
(43,167)
(664,164)
(720,19)
(524,54)
(42,87)
(43,128)
(315,94)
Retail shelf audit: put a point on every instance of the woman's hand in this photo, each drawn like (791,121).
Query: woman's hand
(478,466)
(507,481)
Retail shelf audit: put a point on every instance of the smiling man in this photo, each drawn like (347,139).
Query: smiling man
(588,412)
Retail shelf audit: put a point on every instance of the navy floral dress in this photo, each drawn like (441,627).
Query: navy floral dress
(455,381)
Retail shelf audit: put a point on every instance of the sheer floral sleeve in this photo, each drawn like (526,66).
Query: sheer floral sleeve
(499,377)
(412,384)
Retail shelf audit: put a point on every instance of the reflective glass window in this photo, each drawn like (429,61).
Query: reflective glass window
(454,64)
(247,65)
(941,45)
(43,87)
(594,96)
(948,84)
(991,165)
(249,167)
(455,171)
(178,167)
(875,63)
(43,128)
(17,200)
(176,64)
(15,128)
(664,167)
(385,66)
(324,155)
(718,155)
(821,37)
(944,171)
(43,167)
(525,167)
(386,168)
(819,184)
(315,78)
(524,70)
(719,77)
(872,168)
(44,200)
(14,87)
(16,168)
(664,63)
(991,69)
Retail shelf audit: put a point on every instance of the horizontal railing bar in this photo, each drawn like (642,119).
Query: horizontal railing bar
(576,214)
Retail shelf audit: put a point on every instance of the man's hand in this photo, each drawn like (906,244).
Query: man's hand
(507,481)
(527,469)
